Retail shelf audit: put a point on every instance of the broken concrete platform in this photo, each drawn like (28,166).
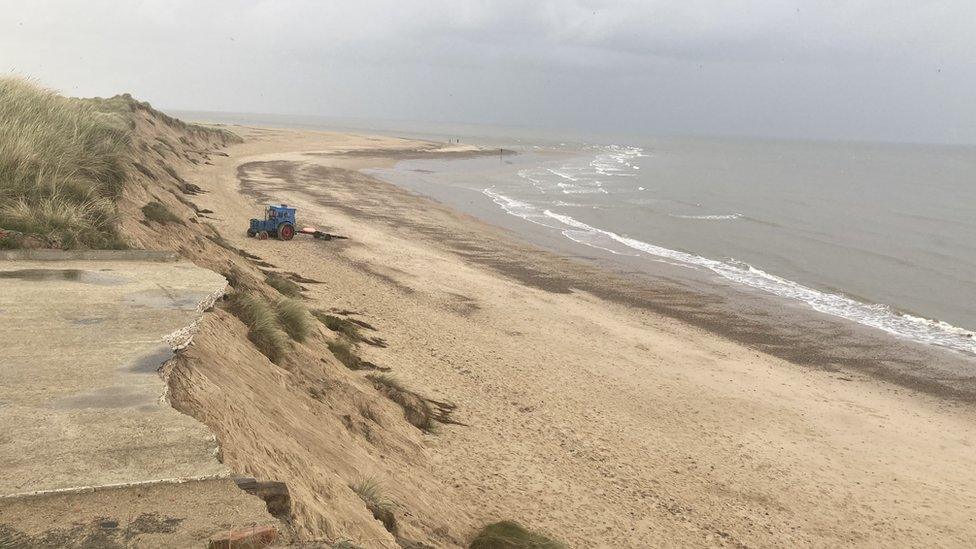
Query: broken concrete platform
(82,406)
(155,515)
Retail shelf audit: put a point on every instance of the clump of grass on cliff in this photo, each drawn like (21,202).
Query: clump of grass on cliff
(416,409)
(349,329)
(284,286)
(293,318)
(346,354)
(338,324)
(419,411)
(156,211)
(262,324)
(371,492)
(62,166)
(508,534)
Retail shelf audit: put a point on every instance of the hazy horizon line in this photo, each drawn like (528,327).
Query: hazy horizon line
(581,132)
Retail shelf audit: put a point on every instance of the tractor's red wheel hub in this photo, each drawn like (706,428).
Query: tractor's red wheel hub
(286,232)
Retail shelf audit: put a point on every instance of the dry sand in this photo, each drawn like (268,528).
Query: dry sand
(600,423)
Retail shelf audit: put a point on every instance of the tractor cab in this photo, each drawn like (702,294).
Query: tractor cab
(279,222)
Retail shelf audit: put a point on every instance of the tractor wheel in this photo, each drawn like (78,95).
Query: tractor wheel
(250,233)
(263,235)
(286,231)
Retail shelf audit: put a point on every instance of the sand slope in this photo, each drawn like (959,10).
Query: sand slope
(604,425)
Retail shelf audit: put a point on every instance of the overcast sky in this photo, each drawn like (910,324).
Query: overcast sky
(872,69)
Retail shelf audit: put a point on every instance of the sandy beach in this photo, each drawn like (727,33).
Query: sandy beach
(600,422)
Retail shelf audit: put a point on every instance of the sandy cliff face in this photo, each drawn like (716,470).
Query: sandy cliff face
(306,420)
(307,423)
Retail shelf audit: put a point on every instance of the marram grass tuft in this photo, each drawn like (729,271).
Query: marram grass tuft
(62,165)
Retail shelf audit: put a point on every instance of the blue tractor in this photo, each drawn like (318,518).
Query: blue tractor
(279,221)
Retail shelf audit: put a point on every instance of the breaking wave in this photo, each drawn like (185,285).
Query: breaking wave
(879,316)
(708,217)
(586,176)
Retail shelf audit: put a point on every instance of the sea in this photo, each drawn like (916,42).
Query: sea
(881,234)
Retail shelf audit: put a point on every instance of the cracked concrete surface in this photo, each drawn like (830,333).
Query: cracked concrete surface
(81,402)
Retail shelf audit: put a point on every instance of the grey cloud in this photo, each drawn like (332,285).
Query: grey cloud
(887,70)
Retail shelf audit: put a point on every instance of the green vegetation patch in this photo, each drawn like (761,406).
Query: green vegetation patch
(350,329)
(508,534)
(423,413)
(284,286)
(416,409)
(9,242)
(346,354)
(371,492)
(156,211)
(125,103)
(338,324)
(262,324)
(293,318)
(62,165)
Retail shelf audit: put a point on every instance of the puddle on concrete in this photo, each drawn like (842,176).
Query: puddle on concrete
(71,275)
(90,317)
(116,396)
(150,363)
(88,321)
(166,299)
(134,390)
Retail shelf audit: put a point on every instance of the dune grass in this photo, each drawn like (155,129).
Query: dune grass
(346,354)
(284,286)
(293,318)
(156,211)
(421,412)
(127,102)
(417,410)
(270,324)
(262,324)
(338,324)
(508,534)
(371,492)
(64,161)
(9,242)
(62,165)
(349,329)
(234,276)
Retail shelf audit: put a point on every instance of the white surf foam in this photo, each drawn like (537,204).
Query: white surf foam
(879,316)
(561,174)
(708,217)
(616,160)
(588,175)
(521,209)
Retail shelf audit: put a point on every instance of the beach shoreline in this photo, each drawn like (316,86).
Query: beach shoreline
(603,408)
(782,327)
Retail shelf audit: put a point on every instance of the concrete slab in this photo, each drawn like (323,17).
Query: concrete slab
(85,255)
(178,515)
(81,403)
